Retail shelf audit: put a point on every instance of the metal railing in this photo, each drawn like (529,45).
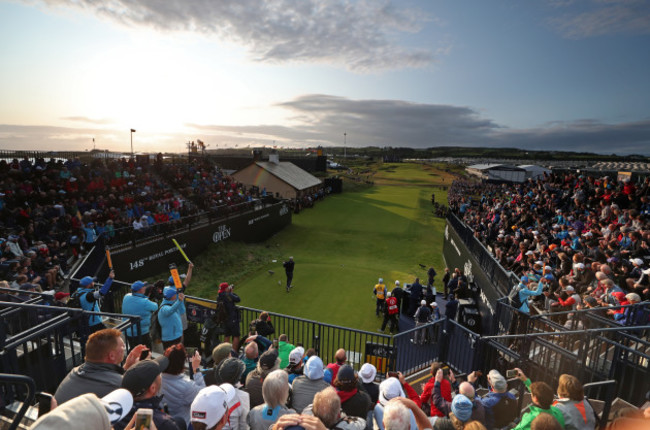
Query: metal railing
(20,388)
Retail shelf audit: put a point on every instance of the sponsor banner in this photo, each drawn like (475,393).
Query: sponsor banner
(151,259)
(458,255)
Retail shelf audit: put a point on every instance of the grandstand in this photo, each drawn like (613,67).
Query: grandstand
(44,341)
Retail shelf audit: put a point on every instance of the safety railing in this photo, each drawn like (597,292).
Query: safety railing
(19,388)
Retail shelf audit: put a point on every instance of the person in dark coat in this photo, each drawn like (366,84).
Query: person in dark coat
(415,296)
(354,402)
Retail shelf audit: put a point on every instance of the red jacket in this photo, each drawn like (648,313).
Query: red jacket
(445,390)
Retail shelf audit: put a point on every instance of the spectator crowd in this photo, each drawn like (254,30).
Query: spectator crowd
(575,241)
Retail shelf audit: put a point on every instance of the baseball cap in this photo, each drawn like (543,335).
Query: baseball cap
(389,389)
(209,406)
(345,374)
(524,279)
(295,356)
(118,404)
(570,288)
(637,261)
(85,281)
(139,377)
(26,287)
(169,292)
(368,373)
(268,359)
(381,280)
(397,283)
(137,285)
(223,286)
(549,277)
(461,406)
(591,301)
(579,266)
(423,302)
(388,294)
(60,295)
(231,397)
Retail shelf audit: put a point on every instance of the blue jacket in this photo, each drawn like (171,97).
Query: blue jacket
(140,305)
(525,292)
(169,317)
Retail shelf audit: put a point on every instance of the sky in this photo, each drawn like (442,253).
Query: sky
(537,75)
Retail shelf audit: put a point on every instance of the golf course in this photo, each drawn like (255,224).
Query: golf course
(381,225)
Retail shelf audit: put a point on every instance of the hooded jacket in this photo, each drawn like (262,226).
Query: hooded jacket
(97,378)
(306,386)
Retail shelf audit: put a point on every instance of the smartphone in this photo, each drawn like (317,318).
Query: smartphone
(44,403)
(190,351)
(143,418)
(144,354)
(511,373)
(392,375)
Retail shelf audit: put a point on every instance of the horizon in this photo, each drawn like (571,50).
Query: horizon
(551,75)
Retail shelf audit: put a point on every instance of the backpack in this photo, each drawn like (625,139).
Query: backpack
(513,297)
(155,328)
(220,316)
(505,411)
(75,300)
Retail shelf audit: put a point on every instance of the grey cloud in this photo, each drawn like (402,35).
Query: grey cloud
(603,18)
(358,35)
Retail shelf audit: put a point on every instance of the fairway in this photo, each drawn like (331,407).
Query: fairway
(345,243)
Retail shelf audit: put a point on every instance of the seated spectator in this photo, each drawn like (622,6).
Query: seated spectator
(179,390)
(219,354)
(460,413)
(275,390)
(294,369)
(332,369)
(389,389)
(209,410)
(466,389)
(546,421)
(427,390)
(327,408)
(305,387)
(87,411)
(101,372)
(237,409)
(398,414)
(267,363)
(367,374)
(576,410)
(251,354)
(144,381)
(355,403)
(284,349)
(542,397)
(500,405)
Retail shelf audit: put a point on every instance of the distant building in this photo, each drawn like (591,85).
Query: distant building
(534,171)
(280,178)
(497,172)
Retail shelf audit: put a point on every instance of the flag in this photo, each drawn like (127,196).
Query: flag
(133,130)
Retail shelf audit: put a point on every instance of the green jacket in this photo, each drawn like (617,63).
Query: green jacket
(528,417)
(284,349)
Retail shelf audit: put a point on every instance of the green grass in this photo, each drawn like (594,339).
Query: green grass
(340,247)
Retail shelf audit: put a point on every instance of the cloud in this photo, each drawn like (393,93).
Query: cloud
(88,120)
(319,119)
(359,35)
(604,18)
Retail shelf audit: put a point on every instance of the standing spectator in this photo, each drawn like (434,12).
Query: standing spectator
(101,372)
(415,296)
(263,325)
(90,299)
(445,281)
(422,317)
(232,329)
(391,312)
(275,390)
(305,387)
(288,269)
(137,303)
(379,291)
(169,317)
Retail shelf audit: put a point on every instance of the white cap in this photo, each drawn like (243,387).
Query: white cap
(570,288)
(367,373)
(231,396)
(530,253)
(579,266)
(637,261)
(118,404)
(209,406)
(388,294)
(397,283)
(434,304)
(296,355)
(423,302)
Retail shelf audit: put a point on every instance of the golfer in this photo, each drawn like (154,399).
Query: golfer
(288,269)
